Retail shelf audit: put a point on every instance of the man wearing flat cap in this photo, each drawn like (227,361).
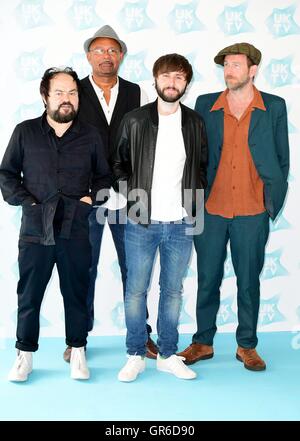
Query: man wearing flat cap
(104,99)
(247,184)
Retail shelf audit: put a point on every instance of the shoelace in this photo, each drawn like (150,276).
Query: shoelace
(176,360)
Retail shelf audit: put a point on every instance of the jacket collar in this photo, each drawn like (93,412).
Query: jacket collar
(221,102)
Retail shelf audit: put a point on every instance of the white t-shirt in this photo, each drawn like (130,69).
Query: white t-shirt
(170,156)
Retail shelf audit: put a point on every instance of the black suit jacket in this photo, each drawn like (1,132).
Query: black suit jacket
(90,110)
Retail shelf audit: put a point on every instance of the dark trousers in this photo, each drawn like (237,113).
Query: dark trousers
(248,236)
(96,232)
(36,262)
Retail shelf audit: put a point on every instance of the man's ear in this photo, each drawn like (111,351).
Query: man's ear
(253,70)
(88,57)
(44,100)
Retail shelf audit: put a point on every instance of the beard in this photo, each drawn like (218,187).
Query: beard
(169,99)
(61,118)
(236,85)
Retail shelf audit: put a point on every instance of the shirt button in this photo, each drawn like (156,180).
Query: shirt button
(233,188)
(233,167)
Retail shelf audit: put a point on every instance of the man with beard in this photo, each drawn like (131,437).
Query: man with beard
(247,183)
(161,152)
(104,99)
(53,167)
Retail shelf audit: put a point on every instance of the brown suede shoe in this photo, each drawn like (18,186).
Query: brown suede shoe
(251,359)
(67,353)
(196,352)
(152,349)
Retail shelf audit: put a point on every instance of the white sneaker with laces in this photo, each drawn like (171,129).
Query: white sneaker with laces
(134,366)
(174,365)
(22,367)
(78,365)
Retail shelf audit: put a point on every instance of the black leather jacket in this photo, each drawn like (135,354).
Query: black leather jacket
(133,159)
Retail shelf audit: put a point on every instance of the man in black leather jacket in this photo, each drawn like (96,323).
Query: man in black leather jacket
(160,156)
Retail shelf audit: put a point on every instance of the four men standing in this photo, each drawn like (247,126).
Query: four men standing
(55,165)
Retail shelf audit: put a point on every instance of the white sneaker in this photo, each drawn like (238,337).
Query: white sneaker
(22,367)
(79,369)
(134,366)
(174,365)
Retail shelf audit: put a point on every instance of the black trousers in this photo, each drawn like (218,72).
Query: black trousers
(36,262)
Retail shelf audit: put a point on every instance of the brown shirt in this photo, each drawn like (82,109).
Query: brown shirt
(237,189)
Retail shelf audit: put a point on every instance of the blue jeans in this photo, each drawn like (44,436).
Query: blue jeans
(141,245)
(95,235)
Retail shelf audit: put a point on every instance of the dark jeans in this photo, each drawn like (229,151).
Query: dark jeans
(248,236)
(96,232)
(36,262)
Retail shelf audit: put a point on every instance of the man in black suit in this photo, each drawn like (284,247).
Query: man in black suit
(105,98)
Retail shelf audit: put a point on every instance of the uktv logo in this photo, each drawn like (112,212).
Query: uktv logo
(30,14)
(133,68)
(225,314)
(279,73)
(82,14)
(273,267)
(133,16)
(281,22)
(183,18)
(29,65)
(269,312)
(233,20)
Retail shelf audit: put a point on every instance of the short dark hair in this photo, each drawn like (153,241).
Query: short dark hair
(171,63)
(51,72)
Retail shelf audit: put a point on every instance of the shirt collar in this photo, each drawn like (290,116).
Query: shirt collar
(221,102)
(96,87)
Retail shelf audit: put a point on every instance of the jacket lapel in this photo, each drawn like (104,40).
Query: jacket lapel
(90,92)
(218,128)
(255,118)
(121,99)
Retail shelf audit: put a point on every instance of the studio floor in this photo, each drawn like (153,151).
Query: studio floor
(224,390)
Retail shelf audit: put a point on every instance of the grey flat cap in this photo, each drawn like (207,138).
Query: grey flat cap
(105,32)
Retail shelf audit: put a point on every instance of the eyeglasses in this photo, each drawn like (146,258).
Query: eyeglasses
(101,51)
